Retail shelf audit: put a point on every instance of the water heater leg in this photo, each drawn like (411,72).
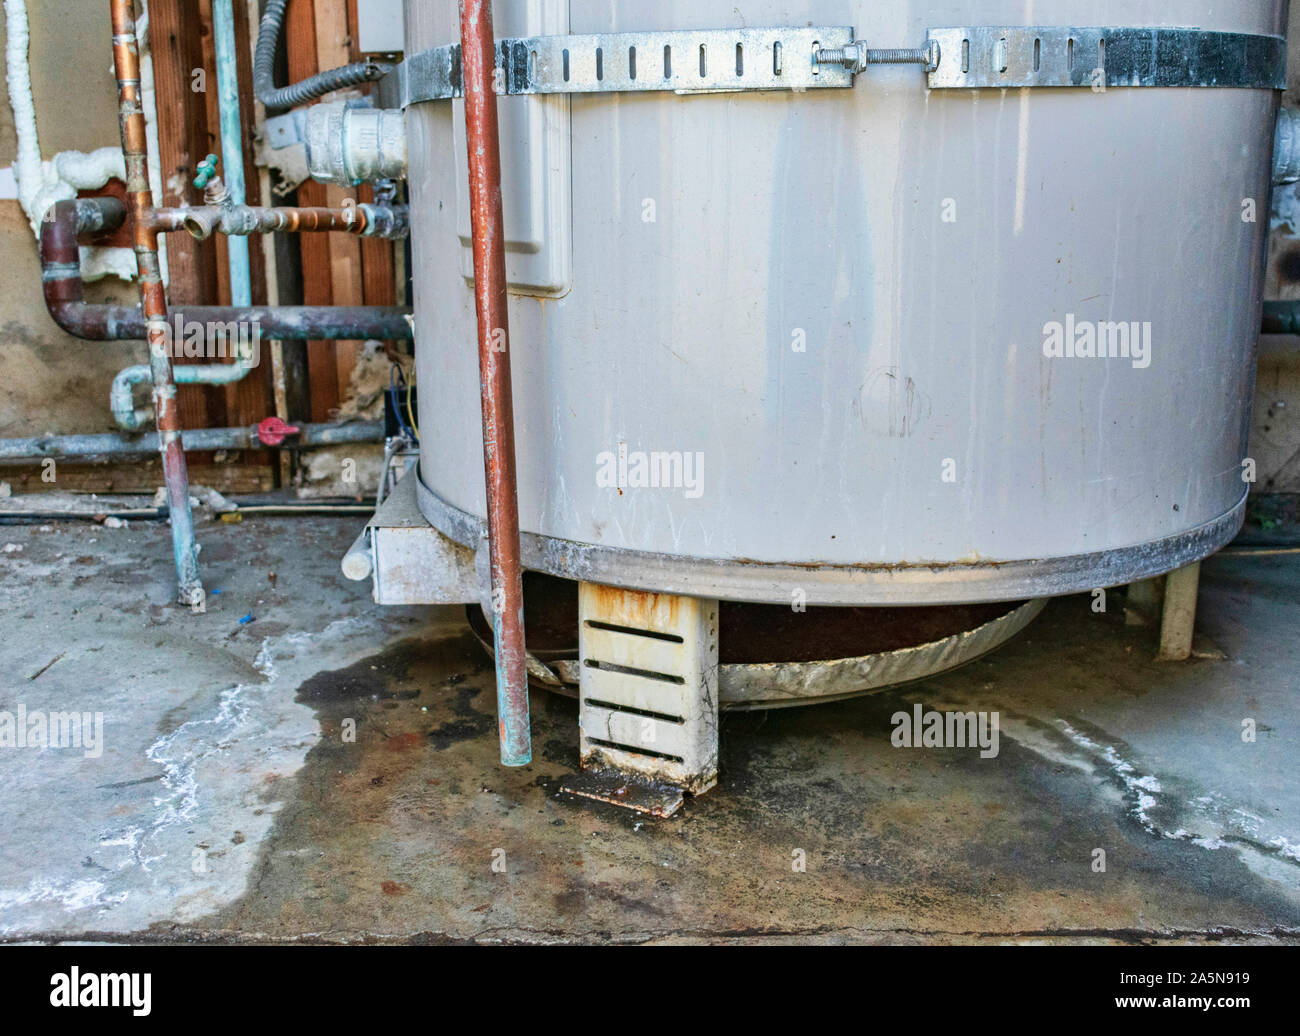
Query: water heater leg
(1145,599)
(648,715)
(1179,615)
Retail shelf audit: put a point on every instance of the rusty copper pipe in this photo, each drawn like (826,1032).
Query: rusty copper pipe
(478,48)
(153,302)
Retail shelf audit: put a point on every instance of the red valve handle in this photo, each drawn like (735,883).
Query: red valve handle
(272,431)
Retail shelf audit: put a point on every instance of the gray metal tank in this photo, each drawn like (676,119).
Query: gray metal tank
(838,306)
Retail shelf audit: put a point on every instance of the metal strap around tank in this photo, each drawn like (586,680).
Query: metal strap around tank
(685,61)
(828,57)
(986,56)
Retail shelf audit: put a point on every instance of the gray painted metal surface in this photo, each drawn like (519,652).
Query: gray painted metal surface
(830,321)
(846,584)
(379,27)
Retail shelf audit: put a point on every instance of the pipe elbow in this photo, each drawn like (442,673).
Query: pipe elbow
(122,399)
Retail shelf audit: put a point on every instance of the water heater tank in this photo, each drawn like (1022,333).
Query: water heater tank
(900,343)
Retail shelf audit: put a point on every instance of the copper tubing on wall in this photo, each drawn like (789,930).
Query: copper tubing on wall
(65,296)
(486,221)
(64,223)
(153,302)
(63,288)
(203,221)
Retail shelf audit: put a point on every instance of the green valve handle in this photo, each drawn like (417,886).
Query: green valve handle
(206,171)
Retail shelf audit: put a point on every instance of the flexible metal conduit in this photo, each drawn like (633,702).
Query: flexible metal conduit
(281,98)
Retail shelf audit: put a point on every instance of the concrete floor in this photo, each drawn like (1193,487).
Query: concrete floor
(226,804)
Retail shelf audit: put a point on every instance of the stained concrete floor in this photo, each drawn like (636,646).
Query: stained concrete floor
(228,805)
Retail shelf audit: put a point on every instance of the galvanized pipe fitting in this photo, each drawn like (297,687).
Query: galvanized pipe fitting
(350,145)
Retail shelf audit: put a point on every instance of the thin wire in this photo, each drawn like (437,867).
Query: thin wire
(414,427)
(396,382)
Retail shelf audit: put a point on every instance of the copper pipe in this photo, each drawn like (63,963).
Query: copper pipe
(478,48)
(153,302)
(205,220)
(66,221)
(62,226)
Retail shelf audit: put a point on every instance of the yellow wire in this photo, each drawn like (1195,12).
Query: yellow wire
(410,417)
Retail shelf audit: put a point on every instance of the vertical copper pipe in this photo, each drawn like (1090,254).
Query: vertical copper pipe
(153,301)
(478,49)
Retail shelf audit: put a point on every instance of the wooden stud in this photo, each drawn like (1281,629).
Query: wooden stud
(322,369)
(176,29)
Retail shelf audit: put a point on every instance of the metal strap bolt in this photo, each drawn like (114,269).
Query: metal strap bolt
(856,56)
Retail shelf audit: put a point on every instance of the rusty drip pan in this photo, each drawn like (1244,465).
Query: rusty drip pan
(774,657)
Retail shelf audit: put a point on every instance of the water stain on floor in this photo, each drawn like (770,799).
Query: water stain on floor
(403,826)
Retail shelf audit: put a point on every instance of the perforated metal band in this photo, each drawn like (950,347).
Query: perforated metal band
(800,58)
(984,56)
(686,61)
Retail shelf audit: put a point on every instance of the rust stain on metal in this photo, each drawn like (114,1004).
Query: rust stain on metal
(642,610)
(653,798)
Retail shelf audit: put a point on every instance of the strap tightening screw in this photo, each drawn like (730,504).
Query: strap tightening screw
(856,56)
